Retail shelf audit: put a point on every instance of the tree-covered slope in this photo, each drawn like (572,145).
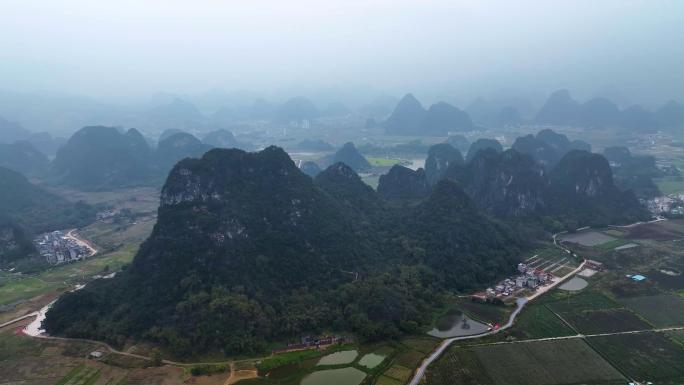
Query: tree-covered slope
(248,249)
(36,209)
(99,157)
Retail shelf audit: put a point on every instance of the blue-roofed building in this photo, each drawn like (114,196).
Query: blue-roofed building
(638,277)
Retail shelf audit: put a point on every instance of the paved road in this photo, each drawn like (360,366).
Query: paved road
(35,313)
(674,328)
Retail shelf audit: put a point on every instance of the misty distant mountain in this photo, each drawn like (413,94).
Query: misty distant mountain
(225,115)
(561,109)
(637,118)
(45,142)
(350,156)
(671,115)
(336,109)
(22,156)
(36,209)
(482,144)
(220,139)
(442,118)
(410,118)
(262,109)
(499,112)
(599,112)
(12,131)
(178,113)
(169,133)
(295,110)
(380,108)
(548,147)
(508,116)
(315,145)
(176,147)
(99,157)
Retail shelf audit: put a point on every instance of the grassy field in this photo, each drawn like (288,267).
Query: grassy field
(458,366)
(14,288)
(548,362)
(670,184)
(610,245)
(605,321)
(661,310)
(644,357)
(489,313)
(537,321)
(382,162)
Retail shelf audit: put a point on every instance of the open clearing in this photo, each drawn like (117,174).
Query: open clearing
(588,238)
(545,362)
(661,310)
(15,288)
(644,357)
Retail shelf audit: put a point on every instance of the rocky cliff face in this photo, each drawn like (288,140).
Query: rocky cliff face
(507,183)
(548,147)
(482,144)
(403,183)
(440,157)
(584,174)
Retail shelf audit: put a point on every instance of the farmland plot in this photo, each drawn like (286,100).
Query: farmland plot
(644,357)
(548,362)
(661,310)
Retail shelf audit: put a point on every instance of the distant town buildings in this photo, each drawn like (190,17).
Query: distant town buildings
(672,204)
(57,248)
(528,279)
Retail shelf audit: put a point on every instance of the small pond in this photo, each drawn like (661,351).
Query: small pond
(344,376)
(457,324)
(575,284)
(339,358)
(371,360)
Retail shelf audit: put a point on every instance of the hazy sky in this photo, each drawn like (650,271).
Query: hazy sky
(451,49)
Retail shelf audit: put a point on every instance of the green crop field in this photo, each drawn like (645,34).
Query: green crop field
(569,361)
(485,312)
(382,162)
(18,287)
(537,321)
(670,184)
(605,321)
(644,356)
(458,366)
(586,300)
(661,310)
(610,245)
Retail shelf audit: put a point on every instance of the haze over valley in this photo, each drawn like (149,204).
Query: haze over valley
(344,193)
